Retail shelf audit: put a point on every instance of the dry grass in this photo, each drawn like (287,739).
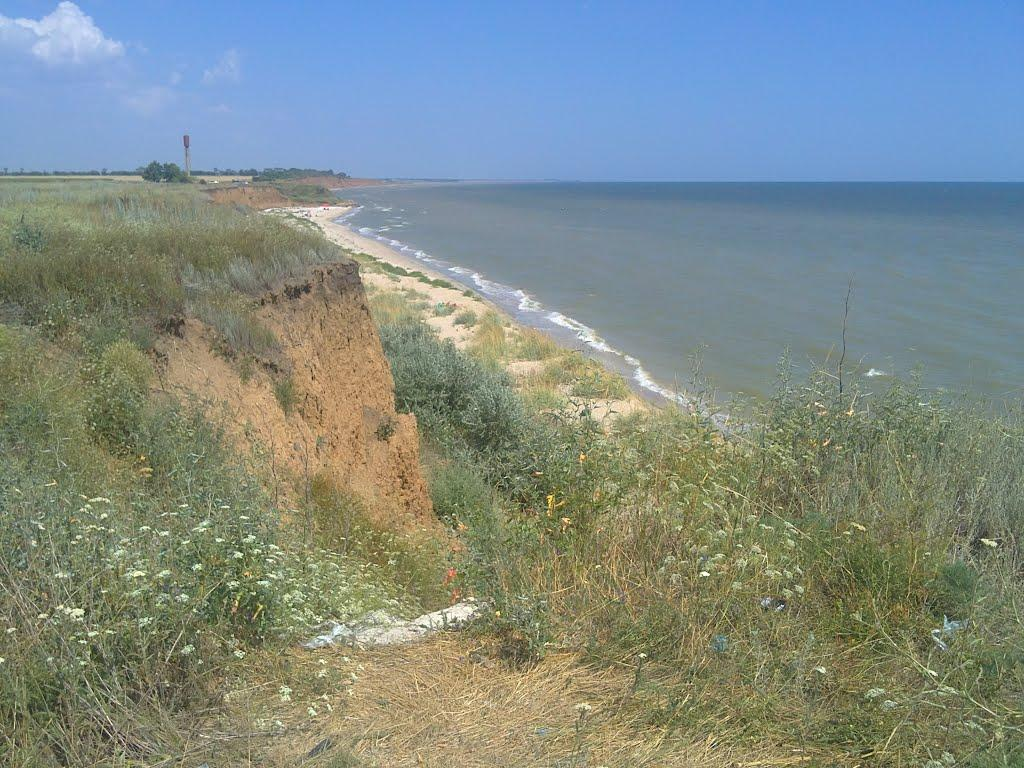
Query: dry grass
(490,342)
(392,307)
(532,344)
(447,703)
(580,376)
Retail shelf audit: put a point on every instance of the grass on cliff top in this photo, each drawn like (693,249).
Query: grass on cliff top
(141,559)
(840,585)
(96,260)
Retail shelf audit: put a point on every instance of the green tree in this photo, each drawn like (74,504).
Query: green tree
(153,172)
(170,172)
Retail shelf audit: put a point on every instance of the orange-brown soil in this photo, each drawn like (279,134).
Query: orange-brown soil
(343,423)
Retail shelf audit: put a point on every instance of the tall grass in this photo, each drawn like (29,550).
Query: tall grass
(140,558)
(842,582)
(121,254)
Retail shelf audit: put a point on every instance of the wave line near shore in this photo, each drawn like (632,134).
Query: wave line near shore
(522,306)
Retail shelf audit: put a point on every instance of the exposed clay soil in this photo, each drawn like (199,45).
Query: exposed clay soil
(343,423)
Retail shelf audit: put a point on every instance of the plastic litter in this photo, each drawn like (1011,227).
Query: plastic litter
(775,604)
(719,643)
(948,629)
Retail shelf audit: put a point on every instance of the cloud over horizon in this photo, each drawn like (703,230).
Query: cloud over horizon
(65,37)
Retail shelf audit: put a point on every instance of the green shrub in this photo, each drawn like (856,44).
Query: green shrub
(120,384)
(466,317)
(286,394)
(455,398)
(459,493)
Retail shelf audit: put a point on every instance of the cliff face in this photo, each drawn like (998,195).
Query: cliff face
(343,422)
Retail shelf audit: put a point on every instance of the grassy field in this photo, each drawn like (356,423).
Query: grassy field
(839,585)
(110,177)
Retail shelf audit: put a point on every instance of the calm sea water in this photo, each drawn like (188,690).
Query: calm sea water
(646,276)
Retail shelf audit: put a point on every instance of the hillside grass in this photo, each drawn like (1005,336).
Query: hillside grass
(839,585)
(843,582)
(141,559)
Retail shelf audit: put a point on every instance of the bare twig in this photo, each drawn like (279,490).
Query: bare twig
(846,315)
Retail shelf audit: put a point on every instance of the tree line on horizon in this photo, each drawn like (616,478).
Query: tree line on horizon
(266,174)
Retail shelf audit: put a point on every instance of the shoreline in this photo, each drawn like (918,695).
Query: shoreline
(565,331)
(338,232)
(645,392)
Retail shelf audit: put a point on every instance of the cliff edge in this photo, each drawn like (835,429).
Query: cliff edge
(338,420)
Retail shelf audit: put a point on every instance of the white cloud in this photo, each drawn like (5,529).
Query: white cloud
(65,37)
(149,101)
(227,70)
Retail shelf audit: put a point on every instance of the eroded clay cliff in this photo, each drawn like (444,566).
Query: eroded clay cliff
(343,423)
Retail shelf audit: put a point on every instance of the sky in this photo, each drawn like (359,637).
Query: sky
(730,91)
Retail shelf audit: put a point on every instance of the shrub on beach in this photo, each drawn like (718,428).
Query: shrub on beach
(457,399)
(466,317)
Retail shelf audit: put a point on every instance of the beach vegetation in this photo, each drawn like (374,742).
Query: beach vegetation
(580,376)
(490,341)
(532,344)
(466,317)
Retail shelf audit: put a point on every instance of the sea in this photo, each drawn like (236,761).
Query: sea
(681,286)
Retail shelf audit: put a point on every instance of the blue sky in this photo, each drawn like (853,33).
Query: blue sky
(572,90)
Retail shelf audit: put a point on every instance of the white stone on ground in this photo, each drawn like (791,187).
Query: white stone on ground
(380,628)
